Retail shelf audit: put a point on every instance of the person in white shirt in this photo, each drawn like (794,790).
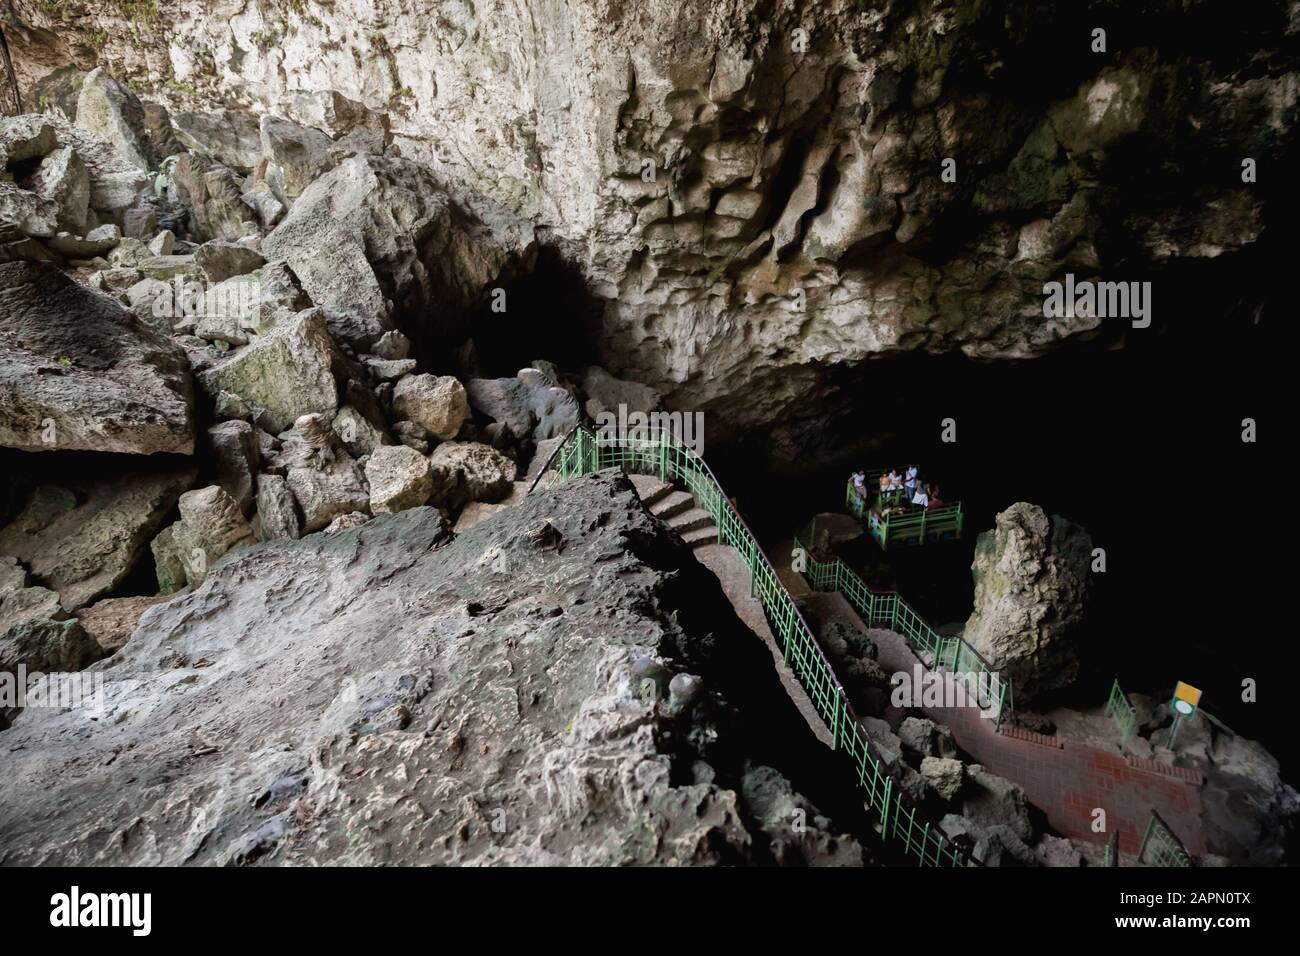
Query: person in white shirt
(860,483)
(921,498)
(895,480)
(910,484)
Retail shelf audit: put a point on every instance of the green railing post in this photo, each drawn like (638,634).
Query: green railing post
(1167,849)
(1118,707)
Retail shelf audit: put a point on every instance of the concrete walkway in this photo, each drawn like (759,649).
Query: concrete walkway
(733,574)
(680,512)
(1065,779)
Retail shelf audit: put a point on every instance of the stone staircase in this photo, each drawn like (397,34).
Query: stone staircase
(677,509)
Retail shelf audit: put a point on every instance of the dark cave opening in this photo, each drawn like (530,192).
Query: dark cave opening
(1136,435)
(549,314)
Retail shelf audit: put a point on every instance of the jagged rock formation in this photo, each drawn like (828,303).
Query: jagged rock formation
(1031,583)
(796,220)
(393,694)
(82,532)
(35,630)
(1250,813)
(77,371)
(283,317)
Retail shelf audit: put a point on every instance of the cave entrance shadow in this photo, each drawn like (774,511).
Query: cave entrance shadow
(550,313)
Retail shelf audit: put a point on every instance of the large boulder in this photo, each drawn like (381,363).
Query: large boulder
(211,524)
(277,509)
(992,801)
(29,213)
(26,138)
(114,183)
(434,402)
(346,714)
(361,431)
(325,490)
(1031,584)
(169,569)
(530,404)
(35,630)
(242,307)
(221,260)
(83,528)
(110,622)
(466,471)
(377,223)
(295,156)
(399,478)
(111,110)
(285,374)
(324,480)
(214,195)
(79,371)
(235,455)
(327,252)
(605,393)
(1250,813)
(943,775)
(62,179)
(228,136)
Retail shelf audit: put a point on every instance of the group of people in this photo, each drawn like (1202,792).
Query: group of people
(914,491)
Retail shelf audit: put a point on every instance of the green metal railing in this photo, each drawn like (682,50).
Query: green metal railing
(904,527)
(856,505)
(1165,849)
(663,456)
(1110,856)
(914,527)
(1117,706)
(887,609)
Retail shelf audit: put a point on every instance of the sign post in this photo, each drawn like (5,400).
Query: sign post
(1183,704)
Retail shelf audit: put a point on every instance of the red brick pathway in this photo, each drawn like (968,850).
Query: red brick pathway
(1065,782)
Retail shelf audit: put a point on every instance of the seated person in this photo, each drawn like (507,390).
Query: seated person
(921,498)
(884,482)
(935,500)
(895,479)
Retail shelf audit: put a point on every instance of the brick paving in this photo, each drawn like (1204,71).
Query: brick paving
(1066,779)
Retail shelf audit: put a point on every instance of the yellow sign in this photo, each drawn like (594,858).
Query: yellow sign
(1186,697)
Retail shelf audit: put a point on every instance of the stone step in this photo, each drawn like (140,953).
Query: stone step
(672,505)
(650,489)
(690,520)
(701,536)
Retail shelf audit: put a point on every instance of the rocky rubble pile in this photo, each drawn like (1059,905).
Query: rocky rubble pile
(980,811)
(218,298)
(319,415)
